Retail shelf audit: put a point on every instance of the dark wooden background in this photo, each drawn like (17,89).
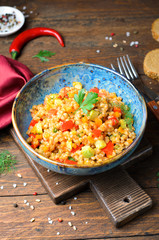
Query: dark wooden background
(84,26)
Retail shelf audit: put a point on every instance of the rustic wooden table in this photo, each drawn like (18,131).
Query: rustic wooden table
(84,26)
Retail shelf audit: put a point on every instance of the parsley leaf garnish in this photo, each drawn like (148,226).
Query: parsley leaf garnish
(7,161)
(42,54)
(71,159)
(87,104)
(126,112)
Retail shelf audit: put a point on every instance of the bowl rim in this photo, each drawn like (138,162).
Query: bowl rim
(111,160)
(19,26)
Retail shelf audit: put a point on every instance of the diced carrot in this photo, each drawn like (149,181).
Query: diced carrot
(32,135)
(35,145)
(96,132)
(121,130)
(129,141)
(108,149)
(117,114)
(39,136)
(85,119)
(77,148)
(117,109)
(91,139)
(46,148)
(33,122)
(95,89)
(67,125)
(98,122)
(52,111)
(65,92)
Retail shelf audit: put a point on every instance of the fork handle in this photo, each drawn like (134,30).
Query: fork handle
(154,107)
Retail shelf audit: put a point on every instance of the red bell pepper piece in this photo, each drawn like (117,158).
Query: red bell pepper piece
(35,145)
(108,149)
(70,161)
(32,135)
(95,89)
(67,125)
(96,132)
(117,109)
(59,160)
(33,122)
(114,120)
(77,148)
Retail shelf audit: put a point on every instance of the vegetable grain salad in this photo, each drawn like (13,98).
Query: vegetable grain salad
(86,128)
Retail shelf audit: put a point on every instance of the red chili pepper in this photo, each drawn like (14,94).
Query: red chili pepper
(35,193)
(112,34)
(30,34)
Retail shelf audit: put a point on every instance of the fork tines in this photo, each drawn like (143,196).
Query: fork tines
(126,67)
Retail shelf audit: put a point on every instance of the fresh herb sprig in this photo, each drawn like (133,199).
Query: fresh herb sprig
(7,161)
(43,54)
(126,112)
(87,104)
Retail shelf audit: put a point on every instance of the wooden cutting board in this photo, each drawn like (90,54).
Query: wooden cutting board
(117,192)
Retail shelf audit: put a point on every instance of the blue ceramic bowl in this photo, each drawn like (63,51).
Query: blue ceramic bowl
(51,81)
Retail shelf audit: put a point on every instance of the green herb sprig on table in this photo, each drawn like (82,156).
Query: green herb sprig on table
(7,161)
(87,104)
(43,54)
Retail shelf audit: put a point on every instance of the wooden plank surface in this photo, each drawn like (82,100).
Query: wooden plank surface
(84,26)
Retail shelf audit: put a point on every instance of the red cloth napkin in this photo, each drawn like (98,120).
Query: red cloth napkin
(13,75)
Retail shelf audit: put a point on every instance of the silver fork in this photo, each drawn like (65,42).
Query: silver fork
(127,69)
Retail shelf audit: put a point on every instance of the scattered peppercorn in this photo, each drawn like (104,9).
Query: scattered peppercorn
(60,220)
(62,203)
(121,49)
(15,205)
(74,228)
(19,175)
(136,32)
(70,224)
(32,220)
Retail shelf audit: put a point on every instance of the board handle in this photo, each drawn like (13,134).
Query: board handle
(120,195)
(154,107)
